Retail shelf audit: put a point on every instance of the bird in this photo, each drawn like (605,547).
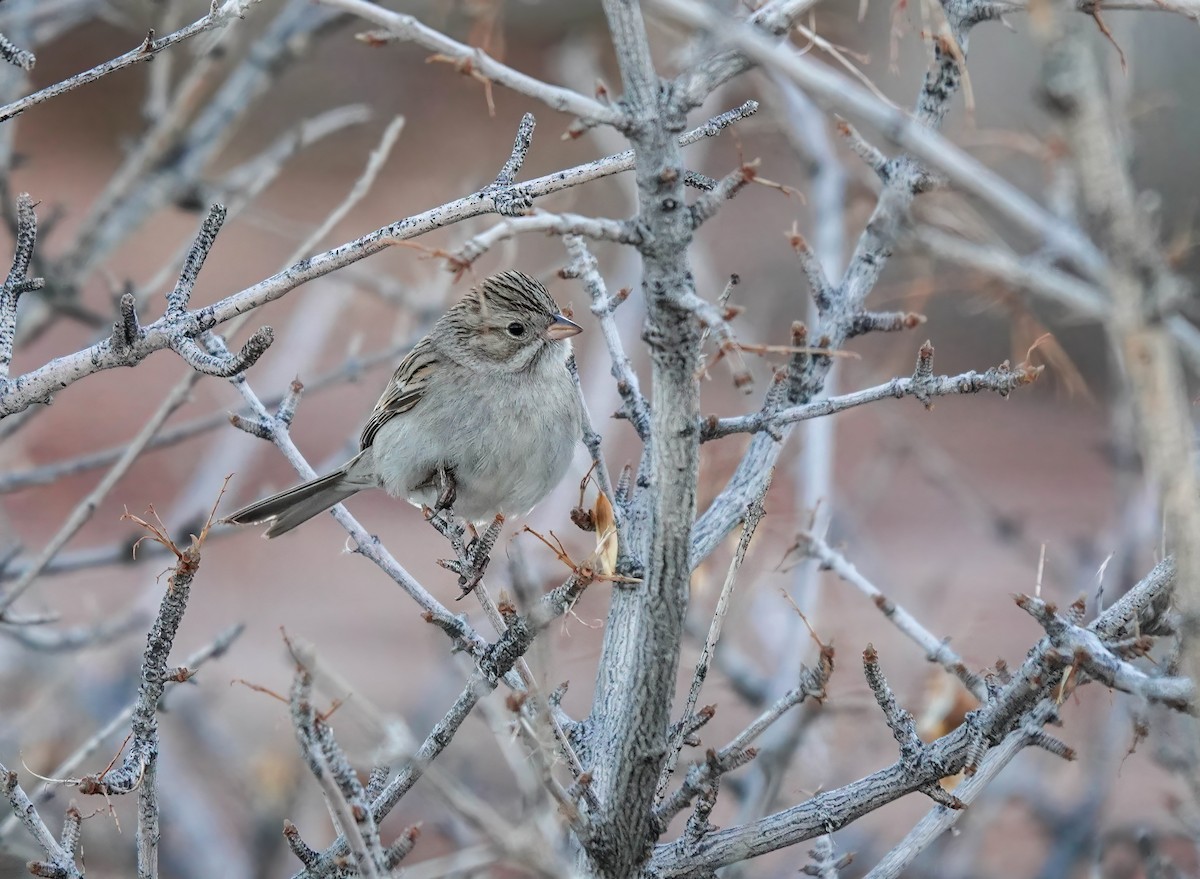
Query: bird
(482,416)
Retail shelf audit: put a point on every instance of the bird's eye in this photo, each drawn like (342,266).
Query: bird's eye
(516,329)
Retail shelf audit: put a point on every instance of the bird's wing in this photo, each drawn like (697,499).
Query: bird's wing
(405,389)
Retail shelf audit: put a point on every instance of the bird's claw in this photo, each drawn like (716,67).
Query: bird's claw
(472,573)
(477,555)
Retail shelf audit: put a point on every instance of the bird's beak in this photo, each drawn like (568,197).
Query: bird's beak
(561,328)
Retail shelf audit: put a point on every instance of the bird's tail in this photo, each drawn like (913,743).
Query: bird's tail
(286,510)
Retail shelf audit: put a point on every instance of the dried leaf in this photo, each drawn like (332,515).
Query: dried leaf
(606,534)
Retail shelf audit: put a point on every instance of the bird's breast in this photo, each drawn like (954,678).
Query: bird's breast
(508,440)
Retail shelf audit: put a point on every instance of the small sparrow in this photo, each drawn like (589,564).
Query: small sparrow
(481,416)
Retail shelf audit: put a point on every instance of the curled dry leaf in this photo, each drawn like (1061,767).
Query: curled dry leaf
(606,534)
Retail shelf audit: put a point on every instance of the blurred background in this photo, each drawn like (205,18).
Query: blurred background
(947,511)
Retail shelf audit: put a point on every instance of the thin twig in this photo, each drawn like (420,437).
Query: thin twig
(754,514)
(475,62)
(148,48)
(1000,379)
(88,506)
(936,649)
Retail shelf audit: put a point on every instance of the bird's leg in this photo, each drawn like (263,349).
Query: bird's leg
(447,488)
(478,554)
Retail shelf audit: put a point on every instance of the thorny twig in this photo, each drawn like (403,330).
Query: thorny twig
(936,649)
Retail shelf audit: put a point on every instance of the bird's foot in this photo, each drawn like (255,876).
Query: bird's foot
(477,556)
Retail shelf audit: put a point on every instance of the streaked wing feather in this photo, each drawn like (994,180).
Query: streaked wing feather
(404,391)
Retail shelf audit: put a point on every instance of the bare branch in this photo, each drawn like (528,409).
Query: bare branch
(811,684)
(707,205)
(843,94)
(883,322)
(61,861)
(149,47)
(871,155)
(936,649)
(1002,380)
(823,293)
(224,364)
(87,507)
(899,721)
(516,160)
(1009,707)
(474,62)
(126,330)
(636,679)
(583,266)
(38,385)
(596,228)
(179,298)
(940,818)
(15,55)
(754,515)
(214,649)
(17,282)
(1074,646)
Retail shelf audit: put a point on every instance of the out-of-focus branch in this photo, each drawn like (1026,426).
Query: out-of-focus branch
(1043,280)
(34,635)
(913,134)
(15,55)
(1144,291)
(936,649)
(170,162)
(87,507)
(475,62)
(213,650)
(217,15)
(825,862)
